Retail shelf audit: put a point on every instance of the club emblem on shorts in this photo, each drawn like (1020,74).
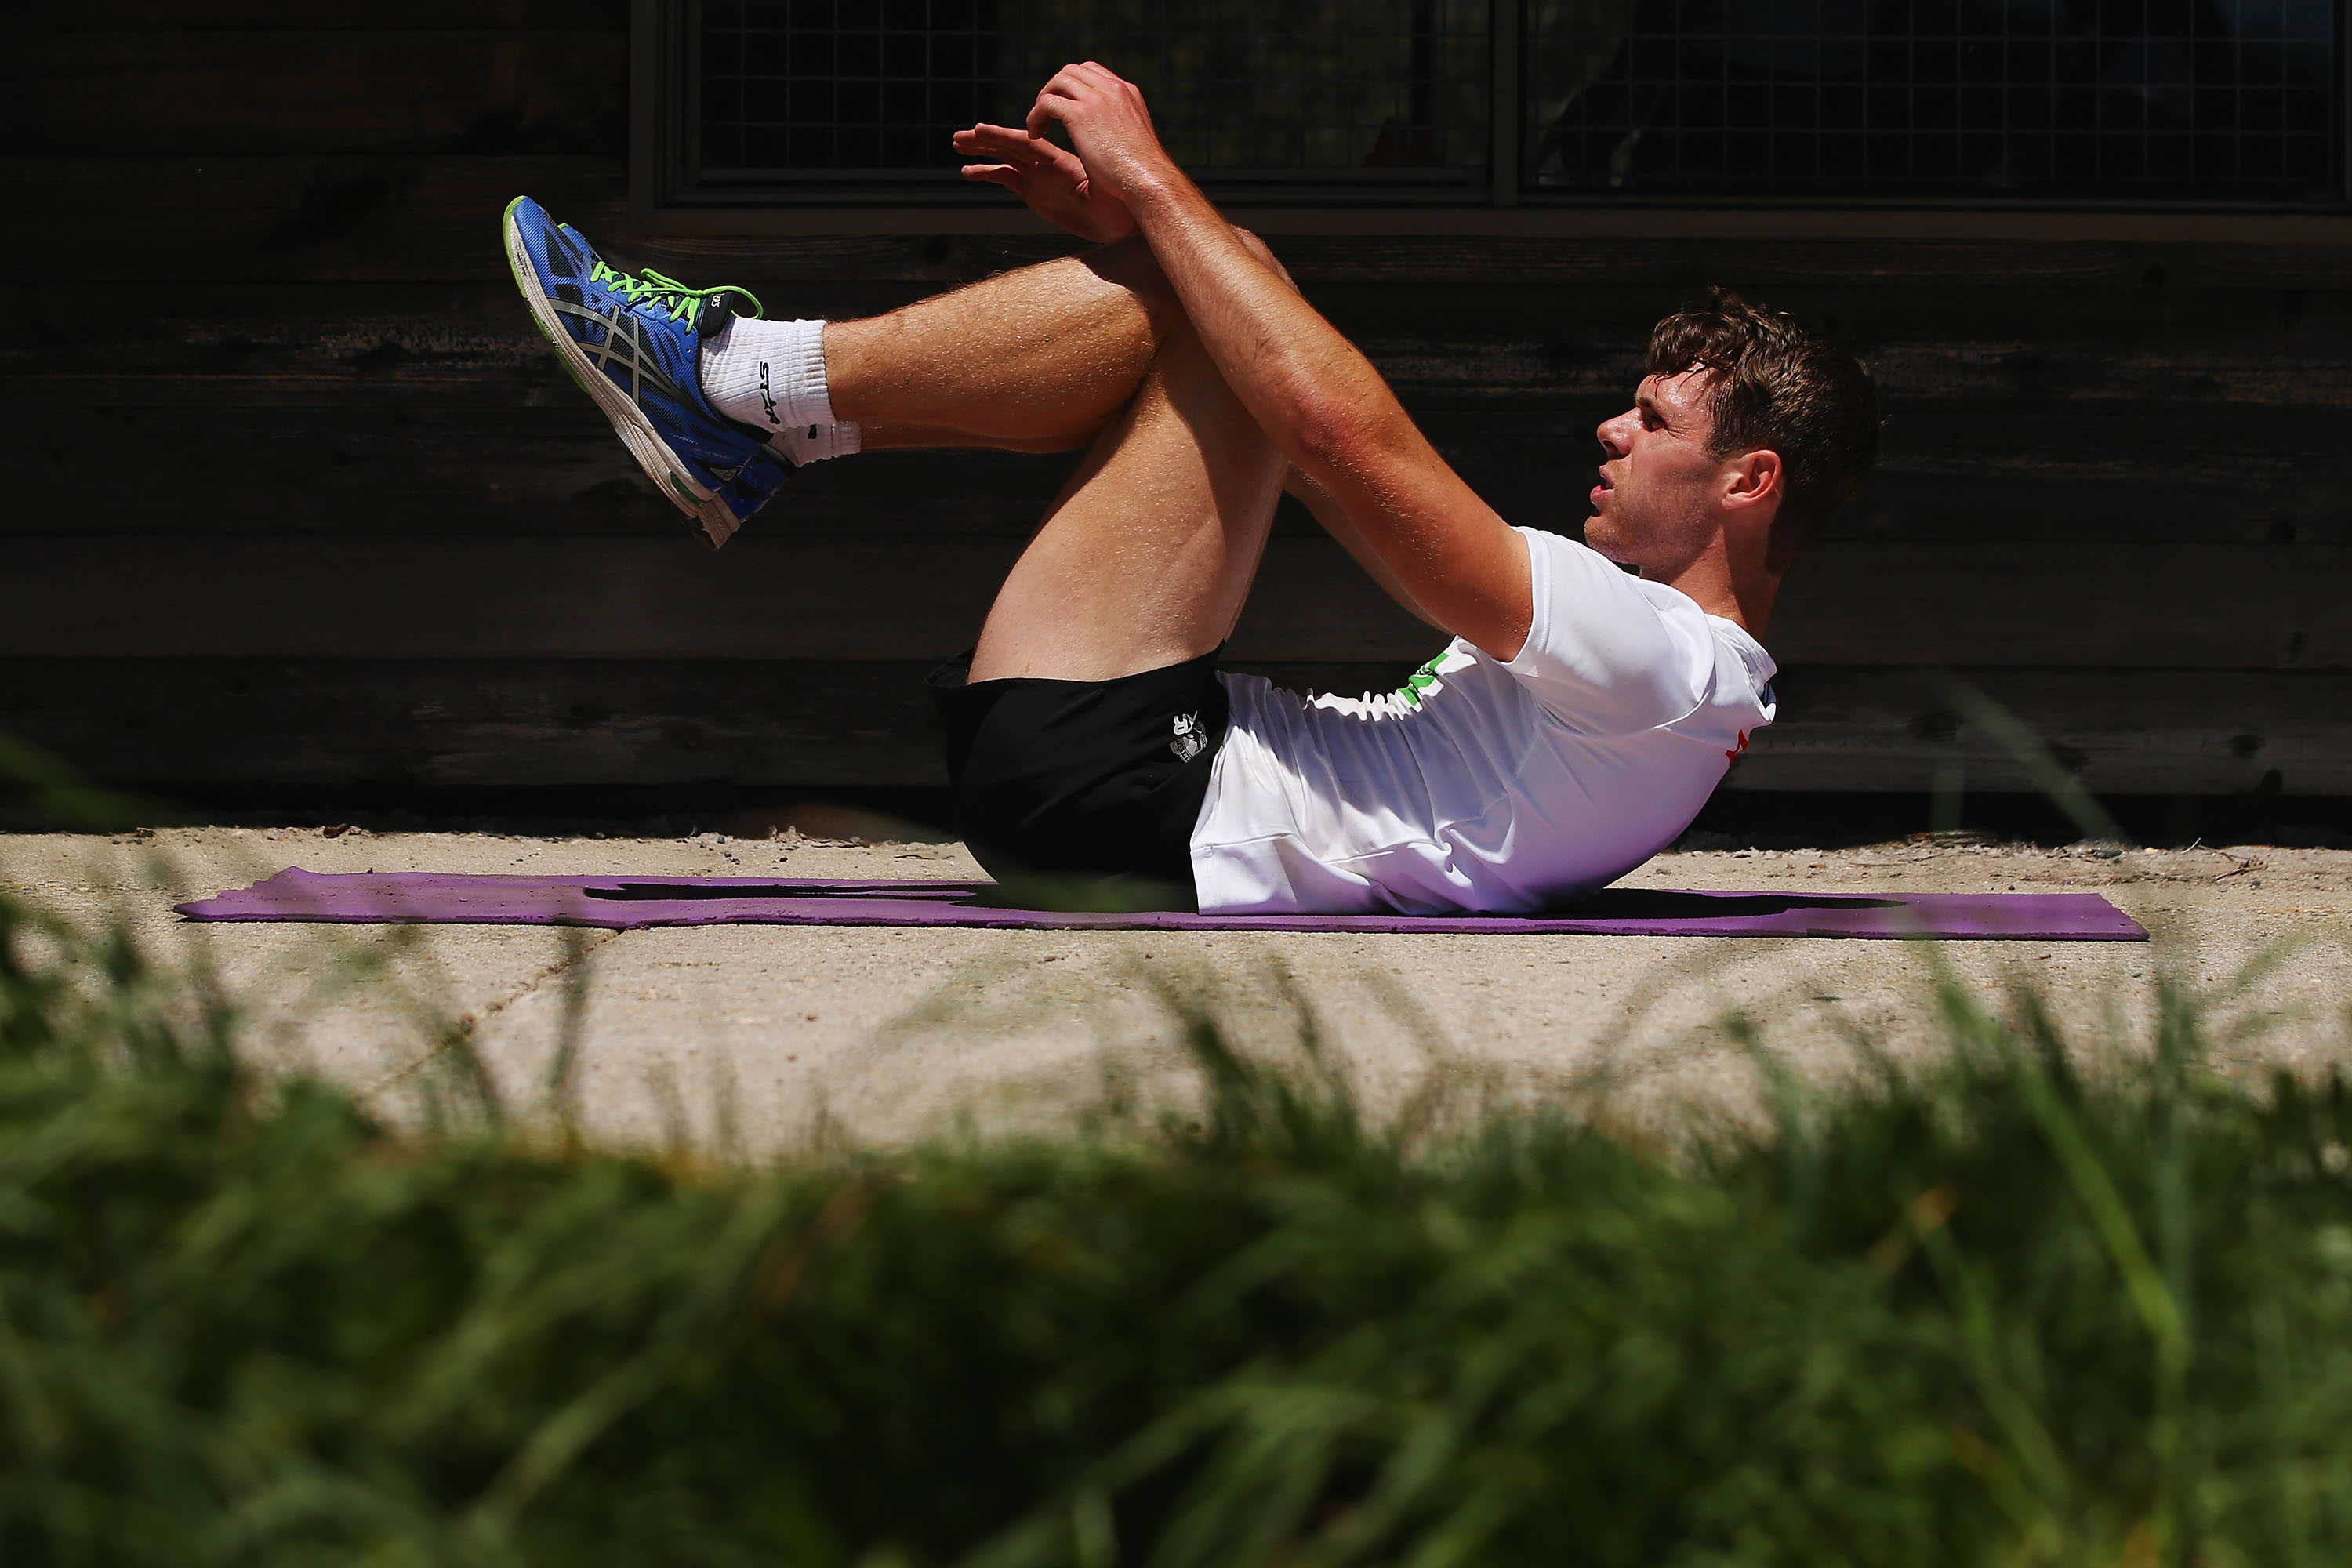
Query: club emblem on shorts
(1191,739)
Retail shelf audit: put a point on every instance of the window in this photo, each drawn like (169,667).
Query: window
(2207,99)
(1469,102)
(1295,94)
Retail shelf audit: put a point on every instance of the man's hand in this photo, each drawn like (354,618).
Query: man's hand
(1109,127)
(1054,182)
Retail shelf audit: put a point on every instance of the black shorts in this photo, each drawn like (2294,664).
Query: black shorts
(1092,778)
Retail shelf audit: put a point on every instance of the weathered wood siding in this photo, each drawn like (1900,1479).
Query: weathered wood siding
(294,494)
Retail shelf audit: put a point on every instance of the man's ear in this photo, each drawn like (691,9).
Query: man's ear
(1753,478)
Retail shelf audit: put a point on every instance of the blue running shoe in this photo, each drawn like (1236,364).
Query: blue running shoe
(635,344)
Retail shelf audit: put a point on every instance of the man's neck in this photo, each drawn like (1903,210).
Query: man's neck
(1710,582)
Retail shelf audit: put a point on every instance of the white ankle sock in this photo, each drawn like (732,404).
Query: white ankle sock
(805,444)
(771,377)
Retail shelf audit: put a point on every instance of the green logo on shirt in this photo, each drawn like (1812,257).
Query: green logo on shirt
(1431,677)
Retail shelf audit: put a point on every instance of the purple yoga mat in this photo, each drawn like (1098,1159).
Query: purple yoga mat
(625,903)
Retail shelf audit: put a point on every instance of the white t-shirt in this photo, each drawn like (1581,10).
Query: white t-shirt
(1487,786)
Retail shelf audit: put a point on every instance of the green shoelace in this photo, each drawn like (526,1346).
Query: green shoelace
(684,304)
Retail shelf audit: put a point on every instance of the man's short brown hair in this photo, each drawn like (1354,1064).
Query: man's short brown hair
(1778,384)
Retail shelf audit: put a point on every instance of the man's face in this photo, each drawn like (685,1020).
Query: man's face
(1654,506)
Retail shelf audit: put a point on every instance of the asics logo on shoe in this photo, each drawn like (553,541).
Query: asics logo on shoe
(615,344)
(768,398)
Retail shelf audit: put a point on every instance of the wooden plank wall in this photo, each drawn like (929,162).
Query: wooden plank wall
(294,496)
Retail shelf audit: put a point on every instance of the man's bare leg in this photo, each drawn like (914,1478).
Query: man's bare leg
(1035,360)
(1146,558)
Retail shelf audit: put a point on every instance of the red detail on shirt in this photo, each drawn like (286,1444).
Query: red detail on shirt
(1734,755)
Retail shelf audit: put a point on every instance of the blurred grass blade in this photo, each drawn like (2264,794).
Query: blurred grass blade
(2018,739)
(54,794)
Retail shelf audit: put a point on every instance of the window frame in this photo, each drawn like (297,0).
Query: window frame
(664,197)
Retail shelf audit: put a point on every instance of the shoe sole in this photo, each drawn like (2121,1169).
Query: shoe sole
(713,523)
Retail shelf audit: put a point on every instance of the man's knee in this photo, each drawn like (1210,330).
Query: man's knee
(1130,263)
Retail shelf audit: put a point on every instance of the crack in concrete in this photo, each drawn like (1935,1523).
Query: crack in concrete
(469,1025)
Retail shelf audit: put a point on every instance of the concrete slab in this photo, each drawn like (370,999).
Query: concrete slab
(358,1003)
(781,1037)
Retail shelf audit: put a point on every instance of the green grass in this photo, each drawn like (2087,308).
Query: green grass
(2003,1317)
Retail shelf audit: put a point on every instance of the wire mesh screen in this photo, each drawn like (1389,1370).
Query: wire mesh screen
(2211,99)
(1325,89)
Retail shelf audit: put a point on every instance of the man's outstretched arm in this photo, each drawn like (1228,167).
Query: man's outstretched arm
(1317,398)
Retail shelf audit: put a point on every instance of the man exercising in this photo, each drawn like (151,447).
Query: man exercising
(1591,698)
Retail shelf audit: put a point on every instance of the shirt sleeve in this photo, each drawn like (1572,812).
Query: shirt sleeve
(1602,654)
